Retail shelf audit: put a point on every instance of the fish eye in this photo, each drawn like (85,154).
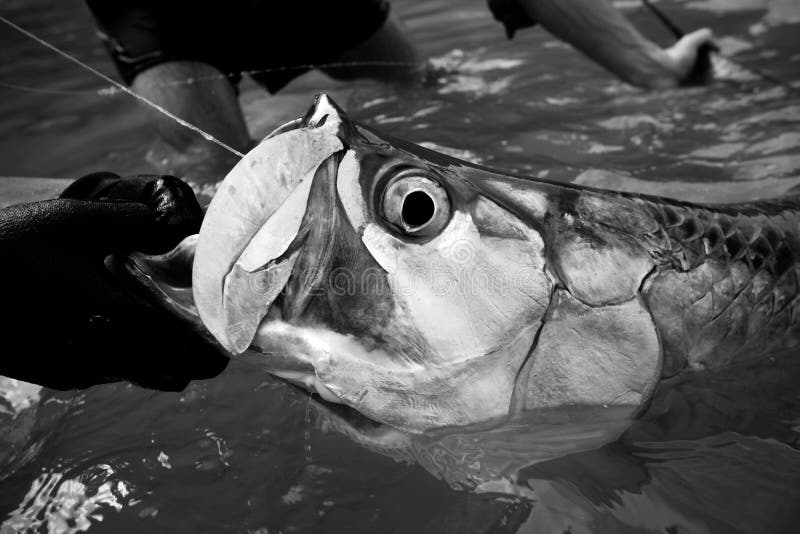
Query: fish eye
(415,204)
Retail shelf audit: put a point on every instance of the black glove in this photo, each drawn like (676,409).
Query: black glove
(65,321)
(511,14)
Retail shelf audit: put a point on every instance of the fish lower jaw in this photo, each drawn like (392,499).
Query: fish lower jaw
(309,381)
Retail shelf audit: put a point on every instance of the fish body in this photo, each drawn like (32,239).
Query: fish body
(428,293)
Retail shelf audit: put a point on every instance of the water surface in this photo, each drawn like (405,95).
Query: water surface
(247,453)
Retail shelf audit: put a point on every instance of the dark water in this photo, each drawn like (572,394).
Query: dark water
(247,453)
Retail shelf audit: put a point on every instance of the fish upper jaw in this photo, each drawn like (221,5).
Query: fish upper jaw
(251,236)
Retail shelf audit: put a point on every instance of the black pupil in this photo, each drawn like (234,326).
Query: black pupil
(418,208)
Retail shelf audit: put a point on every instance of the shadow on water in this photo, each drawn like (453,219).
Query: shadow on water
(712,453)
(247,453)
(704,441)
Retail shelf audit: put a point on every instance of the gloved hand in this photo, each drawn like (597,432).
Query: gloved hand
(65,321)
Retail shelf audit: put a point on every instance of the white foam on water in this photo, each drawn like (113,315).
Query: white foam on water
(18,395)
(57,505)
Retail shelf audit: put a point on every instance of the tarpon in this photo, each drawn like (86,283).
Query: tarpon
(426,292)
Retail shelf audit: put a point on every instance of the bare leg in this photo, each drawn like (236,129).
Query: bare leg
(210,103)
(387,55)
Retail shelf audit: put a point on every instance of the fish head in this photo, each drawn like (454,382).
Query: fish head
(374,272)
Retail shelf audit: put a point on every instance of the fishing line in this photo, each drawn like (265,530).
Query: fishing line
(111,90)
(121,87)
(677,32)
(712,48)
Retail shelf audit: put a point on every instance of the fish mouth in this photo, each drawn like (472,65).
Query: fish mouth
(163,280)
(254,234)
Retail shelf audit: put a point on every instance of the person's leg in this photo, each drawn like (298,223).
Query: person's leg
(197,93)
(200,94)
(387,55)
(158,51)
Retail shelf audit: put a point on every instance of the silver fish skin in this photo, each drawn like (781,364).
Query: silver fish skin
(428,293)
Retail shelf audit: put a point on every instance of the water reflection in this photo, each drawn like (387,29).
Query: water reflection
(705,441)
(711,454)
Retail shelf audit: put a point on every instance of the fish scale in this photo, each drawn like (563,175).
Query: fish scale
(725,288)
(760,236)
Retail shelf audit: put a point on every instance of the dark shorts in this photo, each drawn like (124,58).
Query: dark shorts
(272,40)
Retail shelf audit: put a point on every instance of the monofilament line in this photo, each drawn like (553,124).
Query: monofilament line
(121,87)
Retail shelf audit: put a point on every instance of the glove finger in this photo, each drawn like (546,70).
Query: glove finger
(177,212)
(90,187)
